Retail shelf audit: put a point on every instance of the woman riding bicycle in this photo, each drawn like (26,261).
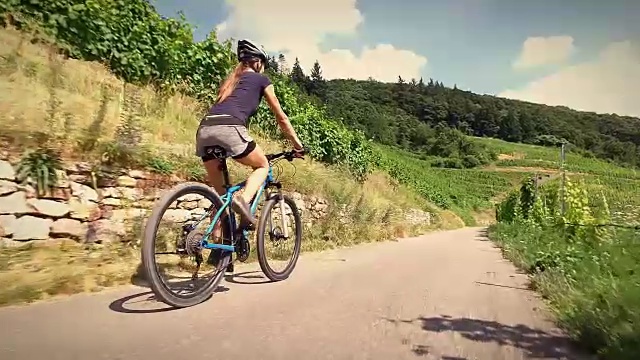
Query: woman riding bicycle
(225,126)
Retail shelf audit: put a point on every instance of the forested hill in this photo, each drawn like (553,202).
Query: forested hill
(404,113)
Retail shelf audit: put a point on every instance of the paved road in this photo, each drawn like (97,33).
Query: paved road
(447,295)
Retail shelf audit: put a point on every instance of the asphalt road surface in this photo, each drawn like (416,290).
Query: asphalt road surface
(447,295)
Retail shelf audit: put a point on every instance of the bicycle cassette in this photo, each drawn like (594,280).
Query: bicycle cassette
(193,242)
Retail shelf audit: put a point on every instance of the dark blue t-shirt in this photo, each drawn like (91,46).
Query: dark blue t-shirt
(244,100)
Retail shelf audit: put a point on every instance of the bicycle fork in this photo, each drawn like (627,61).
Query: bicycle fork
(285,225)
(283,220)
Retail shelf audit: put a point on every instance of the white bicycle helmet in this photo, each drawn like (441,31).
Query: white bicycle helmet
(248,50)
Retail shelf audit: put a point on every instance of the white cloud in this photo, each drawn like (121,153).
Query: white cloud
(296,30)
(539,51)
(608,84)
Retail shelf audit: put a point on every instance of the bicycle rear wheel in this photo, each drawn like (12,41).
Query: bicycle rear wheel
(154,272)
(276,233)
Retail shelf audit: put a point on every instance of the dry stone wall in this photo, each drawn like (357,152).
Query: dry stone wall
(98,208)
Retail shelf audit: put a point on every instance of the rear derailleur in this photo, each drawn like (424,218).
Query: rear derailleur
(190,245)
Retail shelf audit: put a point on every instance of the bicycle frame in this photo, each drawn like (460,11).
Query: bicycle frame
(227,197)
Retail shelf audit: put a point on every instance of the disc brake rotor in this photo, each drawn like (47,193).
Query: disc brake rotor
(276,235)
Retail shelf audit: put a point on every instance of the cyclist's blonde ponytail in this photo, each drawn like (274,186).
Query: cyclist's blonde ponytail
(230,82)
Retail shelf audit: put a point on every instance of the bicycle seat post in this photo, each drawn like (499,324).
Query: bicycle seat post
(225,173)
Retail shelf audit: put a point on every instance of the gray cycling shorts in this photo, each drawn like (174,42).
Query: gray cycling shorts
(235,139)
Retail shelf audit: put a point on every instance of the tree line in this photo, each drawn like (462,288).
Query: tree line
(408,114)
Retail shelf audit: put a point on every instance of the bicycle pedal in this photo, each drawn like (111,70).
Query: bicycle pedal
(229,268)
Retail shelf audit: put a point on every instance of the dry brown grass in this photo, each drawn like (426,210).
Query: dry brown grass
(25,93)
(485,217)
(512,156)
(169,124)
(33,273)
(448,220)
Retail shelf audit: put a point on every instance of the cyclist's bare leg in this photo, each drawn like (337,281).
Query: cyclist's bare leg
(215,180)
(260,165)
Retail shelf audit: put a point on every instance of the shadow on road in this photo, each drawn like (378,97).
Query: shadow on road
(122,305)
(247,278)
(483,234)
(176,283)
(535,343)
(146,303)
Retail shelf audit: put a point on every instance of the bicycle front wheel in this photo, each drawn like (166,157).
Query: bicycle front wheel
(276,229)
(190,289)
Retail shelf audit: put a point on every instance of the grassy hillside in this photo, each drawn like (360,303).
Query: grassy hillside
(449,145)
(464,191)
(525,155)
(87,100)
(620,185)
(439,127)
(469,192)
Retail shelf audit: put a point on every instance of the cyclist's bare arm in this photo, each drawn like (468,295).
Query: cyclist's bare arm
(281,117)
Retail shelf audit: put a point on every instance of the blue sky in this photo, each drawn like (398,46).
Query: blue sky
(472,43)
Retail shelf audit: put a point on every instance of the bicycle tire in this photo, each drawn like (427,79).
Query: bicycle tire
(262,259)
(159,288)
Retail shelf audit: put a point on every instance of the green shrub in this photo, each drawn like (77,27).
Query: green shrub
(160,165)
(42,166)
(470,161)
(327,140)
(592,289)
(589,272)
(449,163)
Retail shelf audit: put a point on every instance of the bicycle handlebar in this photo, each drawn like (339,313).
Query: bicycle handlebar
(288,155)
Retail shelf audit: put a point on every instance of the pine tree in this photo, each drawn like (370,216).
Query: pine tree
(282,65)
(316,72)
(273,64)
(400,93)
(316,84)
(298,76)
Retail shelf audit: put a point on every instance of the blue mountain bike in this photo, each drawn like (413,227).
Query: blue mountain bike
(190,242)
